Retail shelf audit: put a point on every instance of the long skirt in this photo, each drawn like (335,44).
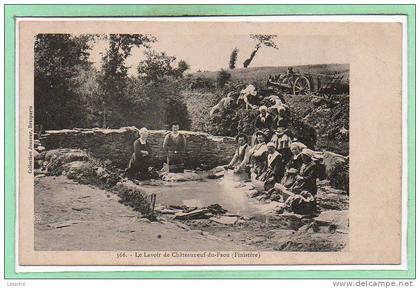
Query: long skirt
(175,161)
(138,169)
(257,165)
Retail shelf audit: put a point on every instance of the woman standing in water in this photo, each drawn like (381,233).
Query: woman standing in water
(175,145)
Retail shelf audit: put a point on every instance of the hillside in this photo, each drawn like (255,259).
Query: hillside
(320,123)
(260,74)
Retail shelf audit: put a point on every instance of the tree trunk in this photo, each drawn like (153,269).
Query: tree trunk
(248,61)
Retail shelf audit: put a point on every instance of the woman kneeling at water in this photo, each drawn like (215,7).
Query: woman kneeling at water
(274,168)
(294,164)
(306,179)
(258,155)
(239,160)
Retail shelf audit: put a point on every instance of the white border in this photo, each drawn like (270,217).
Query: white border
(342,18)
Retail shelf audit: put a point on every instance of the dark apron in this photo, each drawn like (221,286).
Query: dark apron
(175,161)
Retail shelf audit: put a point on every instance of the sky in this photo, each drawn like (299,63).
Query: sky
(211,52)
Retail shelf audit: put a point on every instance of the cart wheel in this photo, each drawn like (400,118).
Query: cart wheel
(302,86)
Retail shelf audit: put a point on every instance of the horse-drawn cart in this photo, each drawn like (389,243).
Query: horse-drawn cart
(308,83)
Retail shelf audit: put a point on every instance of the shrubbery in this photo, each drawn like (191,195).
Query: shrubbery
(237,119)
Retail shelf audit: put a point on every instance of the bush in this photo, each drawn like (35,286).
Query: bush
(198,105)
(222,78)
(200,83)
(302,132)
(134,196)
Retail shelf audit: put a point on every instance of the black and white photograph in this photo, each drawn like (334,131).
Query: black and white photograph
(190,142)
(209,142)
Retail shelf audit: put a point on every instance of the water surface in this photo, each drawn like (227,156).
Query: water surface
(229,192)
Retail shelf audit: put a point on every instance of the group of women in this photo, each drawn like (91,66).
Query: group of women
(272,157)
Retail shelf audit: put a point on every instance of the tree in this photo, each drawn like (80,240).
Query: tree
(157,66)
(114,76)
(58,61)
(233,58)
(182,67)
(159,87)
(86,85)
(156,104)
(222,78)
(263,40)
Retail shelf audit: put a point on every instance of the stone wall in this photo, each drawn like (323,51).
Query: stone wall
(203,149)
(116,145)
